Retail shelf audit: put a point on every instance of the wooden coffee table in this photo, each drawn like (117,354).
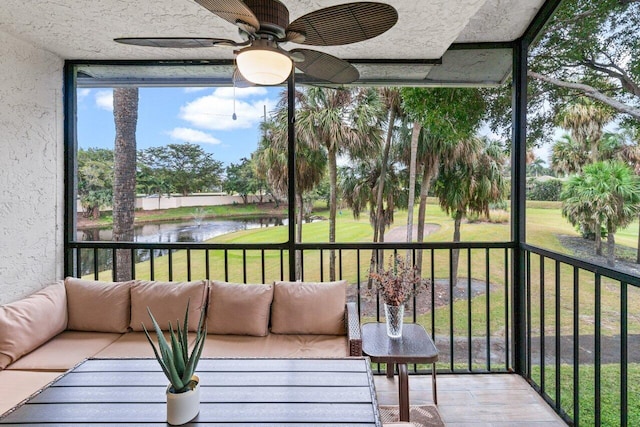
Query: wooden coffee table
(238,392)
(415,346)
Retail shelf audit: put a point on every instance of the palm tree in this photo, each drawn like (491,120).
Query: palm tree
(125,114)
(272,163)
(430,151)
(342,121)
(470,184)
(391,101)
(606,193)
(446,116)
(392,105)
(567,156)
(536,167)
(360,185)
(586,120)
(630,154)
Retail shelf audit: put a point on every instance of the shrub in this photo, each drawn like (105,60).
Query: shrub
(545,190)
(499,216)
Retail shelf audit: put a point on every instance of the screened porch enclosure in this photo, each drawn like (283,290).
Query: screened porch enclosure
(519,313)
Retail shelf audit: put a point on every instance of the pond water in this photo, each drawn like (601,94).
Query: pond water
(195,231)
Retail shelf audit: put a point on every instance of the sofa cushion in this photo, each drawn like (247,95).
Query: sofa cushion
(133,345)
(239,309)
(168,302)
(28,323)
(276,345)
(64,351)
(309,308)
(98,306)
(16,386)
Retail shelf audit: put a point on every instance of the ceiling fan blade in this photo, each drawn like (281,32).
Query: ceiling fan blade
(326,67)
(175,42)
(234,11)
(342,24)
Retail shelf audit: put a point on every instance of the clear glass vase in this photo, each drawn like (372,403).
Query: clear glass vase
(394,315)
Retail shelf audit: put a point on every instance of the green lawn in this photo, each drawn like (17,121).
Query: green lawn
(544,224)
(609,389)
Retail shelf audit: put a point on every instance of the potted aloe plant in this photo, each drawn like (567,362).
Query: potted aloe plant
(183,392)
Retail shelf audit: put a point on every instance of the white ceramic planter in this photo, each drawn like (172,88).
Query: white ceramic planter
(183,407)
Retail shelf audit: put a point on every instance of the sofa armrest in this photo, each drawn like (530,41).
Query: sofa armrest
(352,325)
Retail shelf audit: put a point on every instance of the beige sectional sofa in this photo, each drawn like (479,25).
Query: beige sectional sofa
(50,331)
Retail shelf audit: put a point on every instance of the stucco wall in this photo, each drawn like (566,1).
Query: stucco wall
(152,203)
(164,202)
(31,168)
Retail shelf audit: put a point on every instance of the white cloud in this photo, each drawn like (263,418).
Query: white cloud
(214,112)
(82,94)
(104,100)
(193,136)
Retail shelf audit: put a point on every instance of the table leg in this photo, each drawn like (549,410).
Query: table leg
(434,385)
(403,391)
(390,370)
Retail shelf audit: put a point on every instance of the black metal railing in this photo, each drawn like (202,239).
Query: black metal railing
(583,352)
(582,339)
(470,321)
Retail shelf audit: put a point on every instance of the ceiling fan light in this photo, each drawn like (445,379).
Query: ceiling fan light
(264,65)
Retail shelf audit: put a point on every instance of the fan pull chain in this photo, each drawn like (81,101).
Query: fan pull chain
(233,80)
(234,116)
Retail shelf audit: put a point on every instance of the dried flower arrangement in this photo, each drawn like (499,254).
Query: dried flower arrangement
(397,283)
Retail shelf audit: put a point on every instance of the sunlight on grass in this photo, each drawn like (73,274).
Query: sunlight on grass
(486,317)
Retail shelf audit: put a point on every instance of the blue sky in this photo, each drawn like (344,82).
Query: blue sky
(198,115)
(175,115)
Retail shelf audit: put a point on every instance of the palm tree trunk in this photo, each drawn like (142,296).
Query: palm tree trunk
(378,223)
(611,249)
(598,238)
(381,179)
(415,134)
(455,253)
(125,114)
(333,187)
(299,220)
(594,150)
(422,212)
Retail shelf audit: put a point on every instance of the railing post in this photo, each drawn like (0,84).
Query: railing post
(291,172)
(518,202)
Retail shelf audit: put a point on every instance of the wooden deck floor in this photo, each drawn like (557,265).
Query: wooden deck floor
(475,400)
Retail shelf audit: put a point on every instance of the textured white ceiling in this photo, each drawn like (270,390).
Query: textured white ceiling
(500,20)
(85,29)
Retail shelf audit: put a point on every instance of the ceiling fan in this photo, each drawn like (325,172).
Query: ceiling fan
(264,26)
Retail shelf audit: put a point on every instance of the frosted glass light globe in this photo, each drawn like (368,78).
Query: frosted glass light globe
(263,65)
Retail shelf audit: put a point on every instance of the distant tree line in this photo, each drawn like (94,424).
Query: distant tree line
(175,168)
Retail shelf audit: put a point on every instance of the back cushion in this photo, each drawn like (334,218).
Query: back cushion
(168,302)
(239,309)
(309,308)
(30,322)
(98,306)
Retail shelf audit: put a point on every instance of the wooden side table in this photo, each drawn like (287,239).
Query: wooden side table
(415,346)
